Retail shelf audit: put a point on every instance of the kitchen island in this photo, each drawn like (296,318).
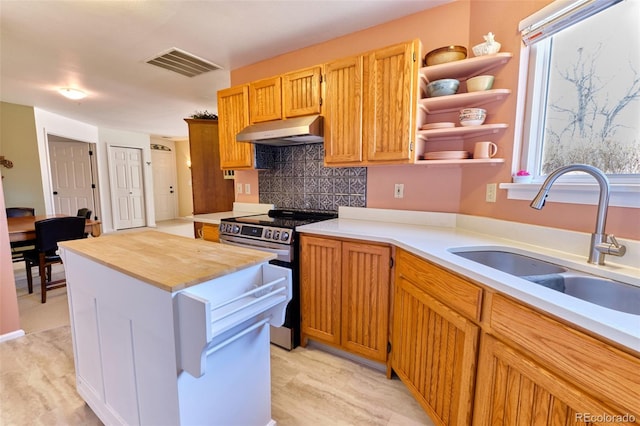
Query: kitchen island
(172,330)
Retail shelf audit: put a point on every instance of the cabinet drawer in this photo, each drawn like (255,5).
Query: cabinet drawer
(608,373)
(450,289)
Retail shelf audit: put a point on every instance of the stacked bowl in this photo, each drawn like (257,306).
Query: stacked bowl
(480,83)
(443,87)
(472,116)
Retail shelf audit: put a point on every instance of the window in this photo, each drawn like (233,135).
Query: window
(583,93)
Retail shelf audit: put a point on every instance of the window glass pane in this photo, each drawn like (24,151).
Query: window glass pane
(592,112)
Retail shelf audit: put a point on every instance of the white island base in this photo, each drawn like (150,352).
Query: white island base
(197,356)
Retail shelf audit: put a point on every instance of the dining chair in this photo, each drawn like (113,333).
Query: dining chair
(19,247)
(49,232)
(84,212)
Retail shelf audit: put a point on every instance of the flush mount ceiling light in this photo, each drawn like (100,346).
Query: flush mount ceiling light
(71,93)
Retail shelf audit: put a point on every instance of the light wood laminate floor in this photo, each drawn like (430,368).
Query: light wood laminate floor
(309,385)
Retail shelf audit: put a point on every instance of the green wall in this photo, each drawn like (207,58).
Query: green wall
(18,143)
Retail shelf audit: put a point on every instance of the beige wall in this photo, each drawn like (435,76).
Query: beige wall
(185,198)
(460,190)
(18,143)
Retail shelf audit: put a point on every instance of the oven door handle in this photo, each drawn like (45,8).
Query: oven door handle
(279,252)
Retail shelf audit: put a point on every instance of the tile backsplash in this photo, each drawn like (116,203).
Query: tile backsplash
(298,179)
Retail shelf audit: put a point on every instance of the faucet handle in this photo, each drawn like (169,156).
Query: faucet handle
(613,247)
(615,242)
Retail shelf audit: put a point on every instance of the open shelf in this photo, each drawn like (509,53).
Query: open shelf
(457,133)
(465,162)
(465,68)
(455,102)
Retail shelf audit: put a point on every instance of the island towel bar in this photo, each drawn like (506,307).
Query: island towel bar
(237,336)
(203,329)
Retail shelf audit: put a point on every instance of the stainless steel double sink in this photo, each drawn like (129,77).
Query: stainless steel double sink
(601,291)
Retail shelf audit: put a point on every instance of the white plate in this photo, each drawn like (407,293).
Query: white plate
(446,155)
(442,125)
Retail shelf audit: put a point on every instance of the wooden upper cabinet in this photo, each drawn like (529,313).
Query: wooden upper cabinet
(233,116)
(390,99)
(301,92)
(266,99)
(343,111)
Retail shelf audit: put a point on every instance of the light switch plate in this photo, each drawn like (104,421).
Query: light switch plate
(398,191)
(247,188)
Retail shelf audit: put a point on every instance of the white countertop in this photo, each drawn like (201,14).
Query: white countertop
(432,235)
(239,209)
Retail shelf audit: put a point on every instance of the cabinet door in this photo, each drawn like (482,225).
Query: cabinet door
(210,232)
(343,111)
(365,299)
(514,390)
(233,116)
(301,92)
(266,100)
(320,291)
(390,96)
(433,352)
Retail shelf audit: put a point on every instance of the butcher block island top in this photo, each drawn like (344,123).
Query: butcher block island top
(167,261)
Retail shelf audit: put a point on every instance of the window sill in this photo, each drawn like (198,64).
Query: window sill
(621,195)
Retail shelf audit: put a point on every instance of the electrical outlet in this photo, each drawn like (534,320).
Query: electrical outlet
(491,193)
(247,188)
(398,191)
(239,188)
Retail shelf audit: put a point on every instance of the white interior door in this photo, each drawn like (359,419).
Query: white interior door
(164,183)
(71,176)
(127,187)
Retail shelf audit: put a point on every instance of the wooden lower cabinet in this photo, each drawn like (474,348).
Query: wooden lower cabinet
(469,354)
(344,294)
(580,373)
(514,390)
(207,231)
(434,348)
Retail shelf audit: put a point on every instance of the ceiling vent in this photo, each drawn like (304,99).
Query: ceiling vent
(184,63)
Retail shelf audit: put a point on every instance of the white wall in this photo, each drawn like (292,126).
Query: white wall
(49,123)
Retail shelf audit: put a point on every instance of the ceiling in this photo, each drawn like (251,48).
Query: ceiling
(102,47)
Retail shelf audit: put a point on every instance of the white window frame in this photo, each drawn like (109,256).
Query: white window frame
(527,154)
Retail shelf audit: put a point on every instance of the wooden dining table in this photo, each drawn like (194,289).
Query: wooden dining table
(24,228)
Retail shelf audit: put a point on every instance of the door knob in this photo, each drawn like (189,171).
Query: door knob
(55,192)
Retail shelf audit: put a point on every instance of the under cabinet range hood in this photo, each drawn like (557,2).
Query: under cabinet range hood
(292,131)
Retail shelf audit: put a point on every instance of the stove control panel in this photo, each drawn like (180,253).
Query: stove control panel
(258,232)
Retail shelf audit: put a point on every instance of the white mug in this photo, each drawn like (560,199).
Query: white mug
(485,150)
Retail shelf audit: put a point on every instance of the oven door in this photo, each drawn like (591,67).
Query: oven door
(288,335)
(283,251)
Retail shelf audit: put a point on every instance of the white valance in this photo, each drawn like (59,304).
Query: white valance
(557,16)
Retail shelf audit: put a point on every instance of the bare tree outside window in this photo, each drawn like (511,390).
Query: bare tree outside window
(593,103)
